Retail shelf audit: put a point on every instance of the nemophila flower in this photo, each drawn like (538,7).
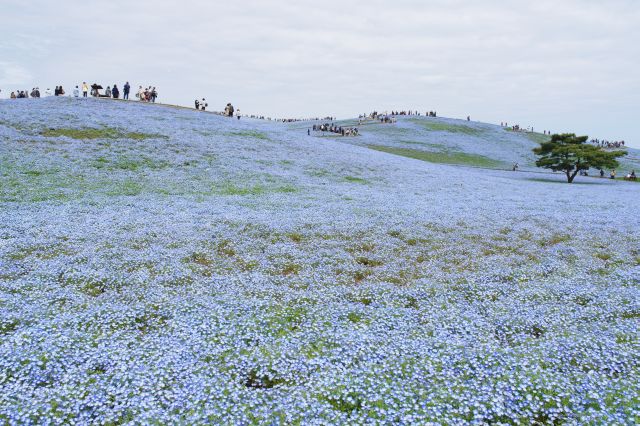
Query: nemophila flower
(176,267)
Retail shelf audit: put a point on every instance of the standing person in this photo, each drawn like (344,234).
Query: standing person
(154,95)
(85,89)
(127,88)
(76,92)
(140,94)
(115,92)
(56,92)
(197,102)
(107,93)
(61,91)
(203,105)
(13,95)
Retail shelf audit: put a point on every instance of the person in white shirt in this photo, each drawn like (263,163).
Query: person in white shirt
(76,92)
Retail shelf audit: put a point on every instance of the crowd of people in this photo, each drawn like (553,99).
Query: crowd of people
(149,94)
(387,119)
(201,105)
(20,94)
(288,120)
(518,128)
(332,128)
(607,144)
(375,115)
(109,92)
(229,110)
(405,113)
(612,174)
(35,93)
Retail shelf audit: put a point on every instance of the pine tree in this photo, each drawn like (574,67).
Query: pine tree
(570,154)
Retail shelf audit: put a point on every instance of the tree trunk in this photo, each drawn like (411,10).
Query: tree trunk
(571,176)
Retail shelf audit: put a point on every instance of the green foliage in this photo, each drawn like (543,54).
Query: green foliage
(570,154)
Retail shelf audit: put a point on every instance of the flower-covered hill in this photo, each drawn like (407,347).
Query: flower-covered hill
(164,265)
(451,141)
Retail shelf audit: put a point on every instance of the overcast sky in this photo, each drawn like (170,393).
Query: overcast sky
(563,65)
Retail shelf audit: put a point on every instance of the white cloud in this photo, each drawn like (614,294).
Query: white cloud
(12,74)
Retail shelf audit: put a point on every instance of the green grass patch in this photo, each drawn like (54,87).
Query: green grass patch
(537,137)
(230,188)
(90,133)
(451,157)
(290,268)
(252,134)
(554,239)
(295,237)
(225,248)
(128,163)
(233,189)
(8,325)
(128,188)
(438,126)
(368,262)
(354,179)
(199,258)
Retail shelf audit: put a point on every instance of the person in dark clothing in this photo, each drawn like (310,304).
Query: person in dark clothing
(126,90)
(197,102)
(115,92)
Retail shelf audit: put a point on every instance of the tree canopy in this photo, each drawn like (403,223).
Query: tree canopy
(571,154)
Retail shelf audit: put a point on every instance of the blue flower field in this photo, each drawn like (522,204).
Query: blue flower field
(165,266)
